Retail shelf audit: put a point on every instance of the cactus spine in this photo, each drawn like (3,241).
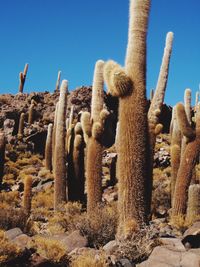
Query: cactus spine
(54,135)
(130,86)
(155,109)
(93,128)
(58,82)
(59,153)
(78,163)
(188,160)
(2,156)
(27,194)
(48,148)
(22,78)
(21,126)
(175,150)
(193,209)
(187,102)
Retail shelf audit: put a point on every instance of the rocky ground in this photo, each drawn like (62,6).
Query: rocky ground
(69,237)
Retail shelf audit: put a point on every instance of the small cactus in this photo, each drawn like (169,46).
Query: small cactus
(22,78)
(21,126)
(27,194)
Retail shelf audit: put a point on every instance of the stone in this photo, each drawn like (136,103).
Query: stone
(174,243)
(22,241)
(110,247)
(13,233)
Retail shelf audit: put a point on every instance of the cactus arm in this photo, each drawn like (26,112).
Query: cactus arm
(184,125)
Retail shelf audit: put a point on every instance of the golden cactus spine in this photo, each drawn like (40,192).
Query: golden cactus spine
(94,146)
(175,150)
(58,82)
(2,155)
(155,109)
(130,86)
(60,184)
(48,148)
(188,160)
(27,198)
(187,102)
(22,78)
(78,163)
(54,135)
(21,126)
(193,208)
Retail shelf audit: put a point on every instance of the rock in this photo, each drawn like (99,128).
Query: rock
(13,233)
(124,263)
(110,247)
(174,243)
(171,257)
(70,242)
(191,237)
(22,241)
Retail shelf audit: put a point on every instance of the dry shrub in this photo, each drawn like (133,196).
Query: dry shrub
(10,198)
(43,199)
(178,222)
(100,228)
(11,217)
(8,250)
(4,99)
(139,246)
(66,220)
(88,259)
(45,174)
(161,195)
(52,250)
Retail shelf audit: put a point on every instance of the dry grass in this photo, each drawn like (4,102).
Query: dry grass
(8,251)
(43,199)
(12,217)
(12,199)
(100,228)
(137,247)
(88,259)
(50,249)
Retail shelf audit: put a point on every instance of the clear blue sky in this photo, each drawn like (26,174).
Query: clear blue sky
(70,36)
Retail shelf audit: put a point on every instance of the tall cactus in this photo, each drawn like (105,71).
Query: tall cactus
(27,194)
(188,160)
(175,150)
(187,102)
(58,82)
(48,148)
(130,86)
(78,164)
(60,186)
(193,208)
(155,108)
(54,135)
(22,78)
(93,128)
(2,155)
